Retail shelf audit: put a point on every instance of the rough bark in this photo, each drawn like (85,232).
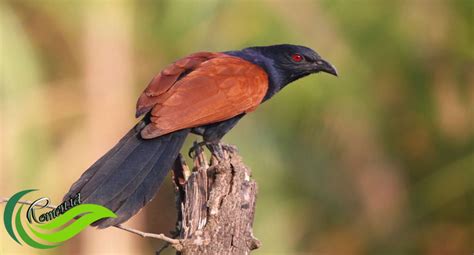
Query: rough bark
(216,205)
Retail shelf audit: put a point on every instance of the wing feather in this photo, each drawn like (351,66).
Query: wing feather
(217,89)
(162,82)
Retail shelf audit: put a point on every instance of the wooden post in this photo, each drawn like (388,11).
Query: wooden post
(216,205)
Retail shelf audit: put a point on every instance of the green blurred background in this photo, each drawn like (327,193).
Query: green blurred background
(377,161)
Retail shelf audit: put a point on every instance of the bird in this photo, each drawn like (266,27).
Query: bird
(205,93)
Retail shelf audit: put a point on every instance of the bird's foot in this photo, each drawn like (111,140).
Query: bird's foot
(196,149)
(217,149)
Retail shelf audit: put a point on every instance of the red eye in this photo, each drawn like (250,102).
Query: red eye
(297,57)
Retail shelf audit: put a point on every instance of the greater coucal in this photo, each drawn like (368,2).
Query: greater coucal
(205,93)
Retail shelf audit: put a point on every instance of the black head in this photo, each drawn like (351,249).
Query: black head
(294,61)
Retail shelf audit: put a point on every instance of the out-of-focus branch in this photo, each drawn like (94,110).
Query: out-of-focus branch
(25,202)
(152,235)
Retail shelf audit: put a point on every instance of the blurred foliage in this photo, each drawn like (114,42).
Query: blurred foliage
(378,161)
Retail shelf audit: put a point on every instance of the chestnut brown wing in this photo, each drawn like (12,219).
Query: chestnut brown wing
(217,89)
(167,77)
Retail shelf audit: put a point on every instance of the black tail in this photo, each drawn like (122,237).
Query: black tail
(129,175)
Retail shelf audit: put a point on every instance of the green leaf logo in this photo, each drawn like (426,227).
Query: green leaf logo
(56,231)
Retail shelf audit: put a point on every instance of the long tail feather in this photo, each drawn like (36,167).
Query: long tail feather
(128,176)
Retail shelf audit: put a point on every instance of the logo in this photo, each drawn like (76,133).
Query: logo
(49,229)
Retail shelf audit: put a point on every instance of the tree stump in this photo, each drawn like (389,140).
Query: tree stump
(216,205)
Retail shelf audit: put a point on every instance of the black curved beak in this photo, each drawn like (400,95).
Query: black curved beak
(324,66)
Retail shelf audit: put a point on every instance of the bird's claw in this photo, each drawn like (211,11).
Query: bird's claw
(217,149)
(196,149)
